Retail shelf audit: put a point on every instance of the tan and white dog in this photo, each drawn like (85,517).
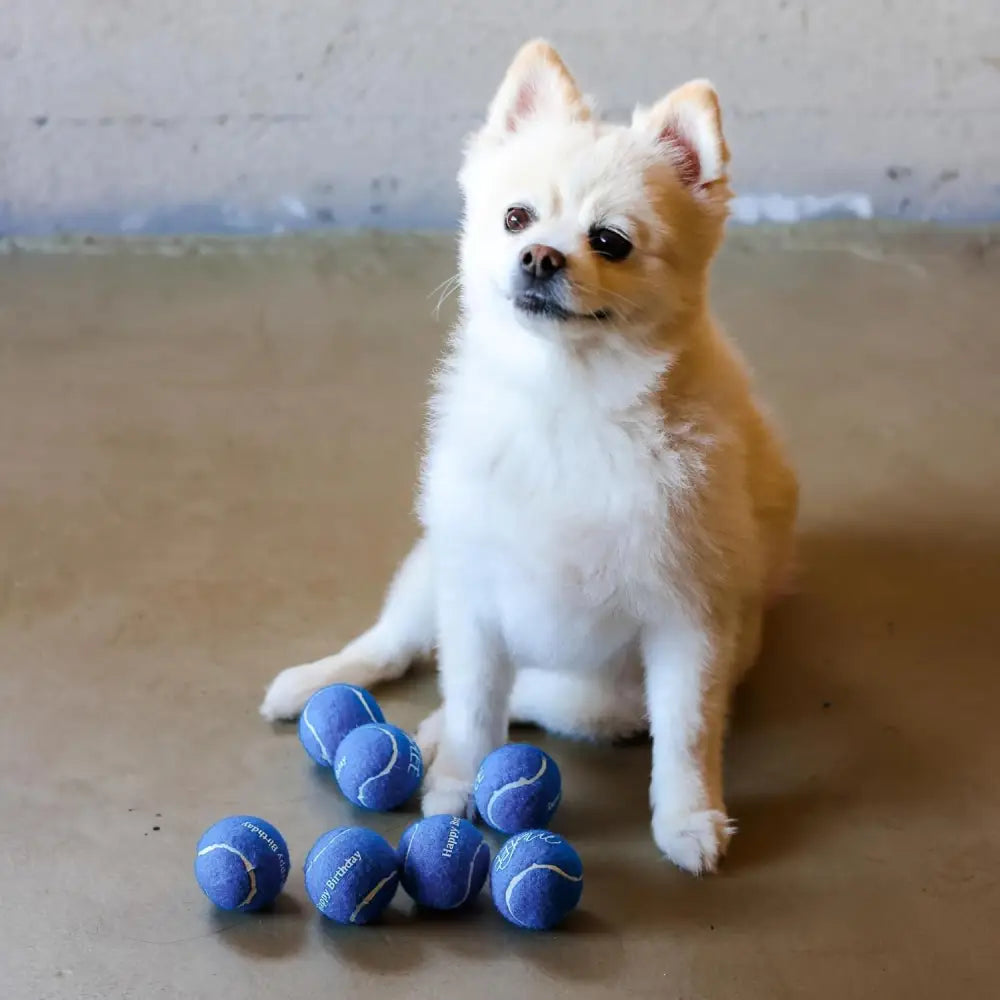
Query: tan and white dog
(606,509)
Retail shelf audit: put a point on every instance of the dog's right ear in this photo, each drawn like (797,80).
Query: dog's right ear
(537,86)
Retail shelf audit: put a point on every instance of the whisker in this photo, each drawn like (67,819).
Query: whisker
(624,299)
(445,290)
(616,297)
(447,281)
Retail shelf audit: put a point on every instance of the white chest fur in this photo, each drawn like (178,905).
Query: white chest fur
(548,484)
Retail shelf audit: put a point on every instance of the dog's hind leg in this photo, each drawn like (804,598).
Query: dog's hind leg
(404,632)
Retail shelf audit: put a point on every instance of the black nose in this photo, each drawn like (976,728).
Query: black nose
(541,262)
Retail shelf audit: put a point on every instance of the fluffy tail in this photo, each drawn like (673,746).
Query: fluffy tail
(404,632)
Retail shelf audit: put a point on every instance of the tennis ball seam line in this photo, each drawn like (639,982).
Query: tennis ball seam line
(409,846)
(280,852)
(510,786)
(472,868)
(534,866)
(320,852)
(312,729)
(385,770)
(371,895)
(367,707)
(251,874)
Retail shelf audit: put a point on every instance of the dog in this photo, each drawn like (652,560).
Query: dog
(606,508)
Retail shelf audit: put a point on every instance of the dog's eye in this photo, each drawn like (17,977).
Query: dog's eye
(517,218)
(610,244)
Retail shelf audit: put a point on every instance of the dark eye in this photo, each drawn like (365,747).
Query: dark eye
(610,244)
(517,218)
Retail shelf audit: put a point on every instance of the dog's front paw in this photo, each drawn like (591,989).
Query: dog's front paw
(429,736)
(693,841)
(287,694)
(447,793)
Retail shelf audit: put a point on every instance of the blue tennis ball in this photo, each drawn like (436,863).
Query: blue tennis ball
(443,861)
(537,879)
(378,766)
(330,714)
(518,787)
(241,863)
(351,875)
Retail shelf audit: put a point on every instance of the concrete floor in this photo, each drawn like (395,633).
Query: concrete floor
(207,462)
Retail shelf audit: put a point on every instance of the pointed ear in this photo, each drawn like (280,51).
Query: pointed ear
(537,85)
(687,124)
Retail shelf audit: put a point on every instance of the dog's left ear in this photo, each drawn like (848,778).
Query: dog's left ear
(537,86)
(687,124)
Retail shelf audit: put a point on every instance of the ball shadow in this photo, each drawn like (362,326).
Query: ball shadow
(585,948)
(393,945)
(275,931)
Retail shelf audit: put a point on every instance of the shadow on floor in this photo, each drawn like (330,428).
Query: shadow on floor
(867,690)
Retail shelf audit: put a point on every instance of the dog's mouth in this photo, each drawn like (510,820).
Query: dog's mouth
(541,305)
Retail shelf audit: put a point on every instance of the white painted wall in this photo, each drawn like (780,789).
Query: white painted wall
(256,114)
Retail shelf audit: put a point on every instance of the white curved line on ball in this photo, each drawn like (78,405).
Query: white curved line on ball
(251,874)
(312,729)
(472,868)
(361,698)
(364,902)
(534,867)
(330,843)
(409,846)
(510,786)
(385,770)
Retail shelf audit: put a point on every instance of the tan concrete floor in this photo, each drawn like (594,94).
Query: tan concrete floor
(206,463)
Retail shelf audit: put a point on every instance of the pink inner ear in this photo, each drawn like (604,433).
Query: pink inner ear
(683,154)
(524,106)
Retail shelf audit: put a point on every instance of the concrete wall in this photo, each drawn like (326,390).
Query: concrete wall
(209,115)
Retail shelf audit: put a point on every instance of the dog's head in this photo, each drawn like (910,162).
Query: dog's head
(577,225)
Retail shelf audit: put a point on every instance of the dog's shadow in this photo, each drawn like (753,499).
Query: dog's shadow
(868,712)
(863,709)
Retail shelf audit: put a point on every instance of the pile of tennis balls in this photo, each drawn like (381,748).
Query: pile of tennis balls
(352,873)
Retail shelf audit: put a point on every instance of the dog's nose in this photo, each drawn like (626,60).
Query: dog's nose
(541,262)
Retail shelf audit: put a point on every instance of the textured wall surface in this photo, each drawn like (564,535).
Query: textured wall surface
(216,115)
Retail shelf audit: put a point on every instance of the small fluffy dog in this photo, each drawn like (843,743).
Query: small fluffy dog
(606,509)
